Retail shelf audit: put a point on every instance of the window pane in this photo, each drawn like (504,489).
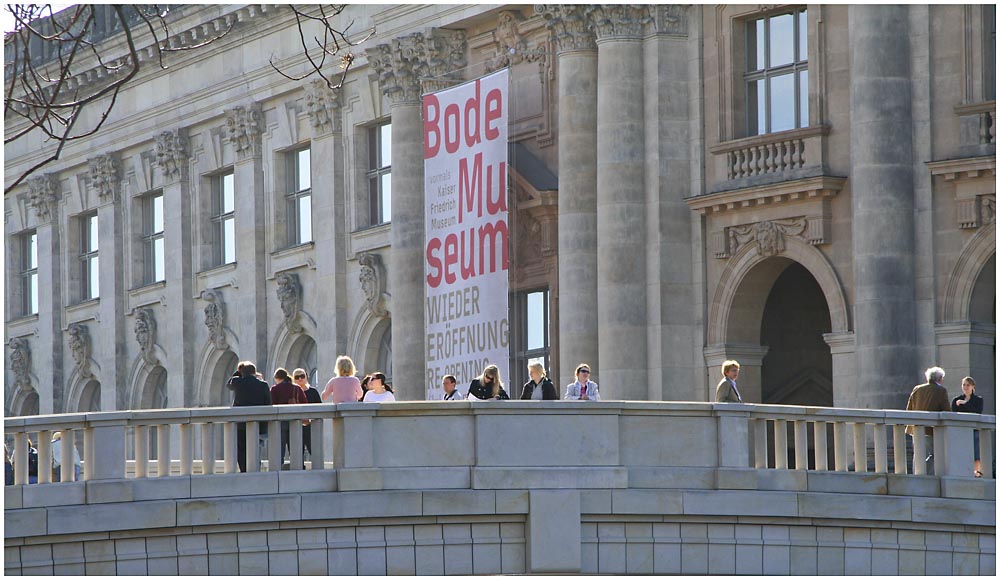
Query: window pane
(228,241)
(305,219)
(228,193)
(803,36)
(305,179)
(32,251)
(92,241)
(804,98)
(95,283)
(373,136)
(536,320)
(159,272)
(33,294)
(157,214)
(782,99)
(756,107)
(755,45)
(781,40)
(386,145)
(386,198)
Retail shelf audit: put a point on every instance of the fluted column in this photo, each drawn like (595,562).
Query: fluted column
(401,64)
(577,72)
(621,207)
(882,203)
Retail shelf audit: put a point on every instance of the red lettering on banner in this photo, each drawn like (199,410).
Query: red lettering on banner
(470,191)
(470,124)
(490,237)
(472,106)
(432,109)
(494,111)
(452,136)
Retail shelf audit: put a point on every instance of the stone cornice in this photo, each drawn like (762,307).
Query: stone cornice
(965,168)
(779,193)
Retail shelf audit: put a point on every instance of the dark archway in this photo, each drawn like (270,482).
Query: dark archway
(983,316)
(90,398)
(303,355)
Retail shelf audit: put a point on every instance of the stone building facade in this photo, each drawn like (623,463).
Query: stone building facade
(808,189)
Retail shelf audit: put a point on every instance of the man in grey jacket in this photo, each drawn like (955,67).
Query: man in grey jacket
(726,391)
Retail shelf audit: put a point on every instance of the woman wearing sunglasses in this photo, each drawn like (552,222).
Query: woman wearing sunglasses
(583,389)
(488,386)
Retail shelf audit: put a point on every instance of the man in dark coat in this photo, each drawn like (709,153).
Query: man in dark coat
(249,391)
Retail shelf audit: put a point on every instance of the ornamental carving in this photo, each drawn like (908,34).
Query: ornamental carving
(171,154)
(372,278)
(323,106)
(769,236)
(988,209)
(434,58)
(512,48)
(244,126)
(290,298)
(618,20)
(43,192)
(20,362)
(104,176)
(672,19)
(145,334)
(569,26)
(215,318)
(79,347)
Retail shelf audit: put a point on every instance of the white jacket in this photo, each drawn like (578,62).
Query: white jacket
(573,391)
(57,453)
(456,395)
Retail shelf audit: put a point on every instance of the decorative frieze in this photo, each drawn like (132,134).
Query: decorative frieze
(974,182)
(402,64)
(290,297)
(215,318)
(569,26)
(79,347)
(373,282)
(171,154)
(323,107)
(511,46)
(244,126)
(145,334)
(43,193)
(105,176)
(769,236)
(20,362)
(610,21)
(988,208)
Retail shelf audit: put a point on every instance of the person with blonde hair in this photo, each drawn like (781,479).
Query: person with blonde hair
(539,387)
(726,391)
(57,459)
(583,389)
(488,386)
(345,387)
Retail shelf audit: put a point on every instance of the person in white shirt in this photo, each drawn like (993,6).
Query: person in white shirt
(378,390)
(57,458)
(451,392)
(583,389)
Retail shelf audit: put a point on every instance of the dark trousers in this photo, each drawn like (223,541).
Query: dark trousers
(307,440)
(241,443)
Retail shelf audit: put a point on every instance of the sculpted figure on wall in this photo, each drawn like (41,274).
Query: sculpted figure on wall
(20,362)
(43,194)
(290,298)
(79,346)
(215,318)
(104,177)
(768,235)
(372,280)
(171,153)
(145,334)
(244,126)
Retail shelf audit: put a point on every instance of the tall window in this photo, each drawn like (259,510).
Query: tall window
(29,273)
(990,42)
(530,332)
(777,78)
(89,261)
(379,173)
(224,218)
(152,238)
(299,197)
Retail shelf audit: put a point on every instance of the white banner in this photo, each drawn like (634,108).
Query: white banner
(466,261)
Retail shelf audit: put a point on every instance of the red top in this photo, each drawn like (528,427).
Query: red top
(287,394)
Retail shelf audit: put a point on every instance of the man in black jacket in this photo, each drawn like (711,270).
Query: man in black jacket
(249,391)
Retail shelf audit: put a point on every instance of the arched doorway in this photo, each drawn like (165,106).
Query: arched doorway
(983,316)
(385,353)
(30,404)
(218,394)
(798,367)
(303,355)
(90,398)
(154,396)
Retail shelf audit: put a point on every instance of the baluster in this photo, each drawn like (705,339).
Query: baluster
(229,447)
(187,448)
(44,449)
(295,444)
(730,161)
(760,443)
(253,448)
(801,153)
(274,446)
(992,117)
(163,450)
(860,452)
(744,163)
(819,437)
(759,166)
(899,449)
(801,445)
(88,454)
(766,160)
(919,450)
(839,451)
(780,444)
(984,128)
(986,452)
(207,449)
(20,458)
(881,461)
(316,455)
(141,450)
(67,457)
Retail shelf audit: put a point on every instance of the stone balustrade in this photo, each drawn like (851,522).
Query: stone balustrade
(978,123)
(770,154)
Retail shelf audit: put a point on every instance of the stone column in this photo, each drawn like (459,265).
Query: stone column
(401,64)
(111,331)
(172,162)
(882,203)
(621,200)
(45,194)
(244,125)
(578,273)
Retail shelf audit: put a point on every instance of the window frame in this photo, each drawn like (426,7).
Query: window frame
(218,218)
(799,64)
(28,272)
(297,196)
(520,354)
(375,173)
(150,237)
(89,258)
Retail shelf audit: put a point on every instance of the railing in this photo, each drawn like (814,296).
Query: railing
(771,153)
(609,435)
(979,123)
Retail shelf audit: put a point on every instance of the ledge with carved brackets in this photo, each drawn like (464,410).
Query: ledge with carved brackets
(291,258)
(215,278)
(975,188)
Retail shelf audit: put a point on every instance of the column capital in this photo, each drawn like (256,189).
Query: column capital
(432,57)
(171,154)
(323,106)
(244,126)
(43,194)
(104,176)
(569,26)
(618,21)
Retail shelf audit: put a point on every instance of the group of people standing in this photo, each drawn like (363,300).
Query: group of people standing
(33,467)
(489,387)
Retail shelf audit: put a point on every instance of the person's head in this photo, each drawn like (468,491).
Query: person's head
(56,436)
(248,369)
(969,386)
(934,375)
(731,369)
(281,375)
(377,382)
(583,372)
(365,381)
(239,370)
(491,378)
(448,382)
(345,366)
(536,371)
(300,378)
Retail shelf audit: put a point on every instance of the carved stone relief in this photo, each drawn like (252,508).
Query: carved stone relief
(215,318)
(145,334)
(244,126)
(290,298)
(43,193)
(511,47)
(171,153)
(104,176)
(80,348)
(988,209)
(569,26)
(618,20)
(20,362)
(409,64)
(323,106)
(769,236)
(373,282)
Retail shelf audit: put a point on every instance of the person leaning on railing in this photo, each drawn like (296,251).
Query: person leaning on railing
(249,391)
(312,396)
(970,402)
(726,391)
(285,393)
(539,387)
(378,390)
(930,396)
(488,386)
(345,387)
(583,389)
